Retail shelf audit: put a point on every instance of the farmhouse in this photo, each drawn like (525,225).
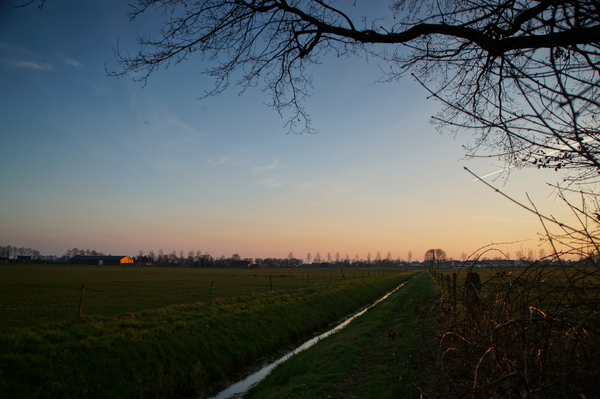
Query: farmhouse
(100,260)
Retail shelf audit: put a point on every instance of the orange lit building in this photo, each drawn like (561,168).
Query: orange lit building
(100,260)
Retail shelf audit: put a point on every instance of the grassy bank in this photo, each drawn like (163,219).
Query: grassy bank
(179,351)
(376,356)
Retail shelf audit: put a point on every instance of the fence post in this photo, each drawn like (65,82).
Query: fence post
(212,290)
(473,300)
(81,301)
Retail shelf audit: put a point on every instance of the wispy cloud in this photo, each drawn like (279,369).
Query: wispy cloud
(276,181)
(273,182)
(223,160)
(71,61)
(261,169)
(37,66)
(165,122)
(338,188)
(186,128)
(329,189)
(19,57)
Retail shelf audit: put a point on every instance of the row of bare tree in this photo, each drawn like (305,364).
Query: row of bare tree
(11,252)
(204,259)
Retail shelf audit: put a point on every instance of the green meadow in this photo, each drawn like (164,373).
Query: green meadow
(34,294)
(154,333)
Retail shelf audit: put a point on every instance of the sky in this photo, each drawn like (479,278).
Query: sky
(93,161)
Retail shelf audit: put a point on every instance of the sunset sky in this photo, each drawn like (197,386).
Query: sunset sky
(92,161)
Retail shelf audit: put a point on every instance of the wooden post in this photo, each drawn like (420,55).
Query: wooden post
(354,274)
(81,301)
(454,289)
(271,283)
(343,275)
(212,290)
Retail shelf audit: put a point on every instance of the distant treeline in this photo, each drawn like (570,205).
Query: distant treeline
(199,258)
(204,259)
(10,253)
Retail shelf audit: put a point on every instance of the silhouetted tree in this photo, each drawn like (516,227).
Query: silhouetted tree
(433,257)
(522,74)
(317,258)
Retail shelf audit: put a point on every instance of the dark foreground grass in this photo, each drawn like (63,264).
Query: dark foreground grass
(180,351)
(376,356)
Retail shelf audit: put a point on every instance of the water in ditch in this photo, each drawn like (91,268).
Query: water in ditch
(238,389)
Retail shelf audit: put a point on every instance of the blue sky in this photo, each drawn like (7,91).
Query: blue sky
(92,161)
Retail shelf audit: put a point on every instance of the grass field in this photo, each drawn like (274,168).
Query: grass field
(168,350)
(34,294)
